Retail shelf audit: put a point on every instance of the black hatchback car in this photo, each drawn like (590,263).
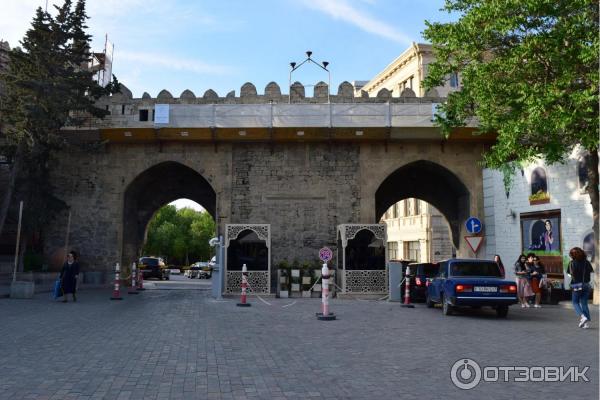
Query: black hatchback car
(153,267)
(419,274)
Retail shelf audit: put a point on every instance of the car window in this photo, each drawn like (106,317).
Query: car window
(153,262)
(442,271)
(475,269)
(428,270)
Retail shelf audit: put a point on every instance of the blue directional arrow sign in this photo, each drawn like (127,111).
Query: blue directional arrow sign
(473,225)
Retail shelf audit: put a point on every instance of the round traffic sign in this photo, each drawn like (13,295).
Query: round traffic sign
(325,254)
(473,225)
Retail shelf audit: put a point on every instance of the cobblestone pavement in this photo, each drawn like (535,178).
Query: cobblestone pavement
(180,344)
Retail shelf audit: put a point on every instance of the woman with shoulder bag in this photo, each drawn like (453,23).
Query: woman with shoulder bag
(537,276)
(580,271)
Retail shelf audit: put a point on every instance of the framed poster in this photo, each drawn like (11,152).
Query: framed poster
(541,235)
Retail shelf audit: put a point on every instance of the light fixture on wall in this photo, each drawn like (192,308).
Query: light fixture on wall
(323,66)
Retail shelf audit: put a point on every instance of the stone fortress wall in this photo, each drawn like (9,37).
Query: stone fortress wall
(303,186)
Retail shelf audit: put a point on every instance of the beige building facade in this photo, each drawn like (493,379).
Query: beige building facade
(416,230)
(404,76)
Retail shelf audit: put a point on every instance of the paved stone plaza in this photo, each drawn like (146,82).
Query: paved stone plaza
(180,344)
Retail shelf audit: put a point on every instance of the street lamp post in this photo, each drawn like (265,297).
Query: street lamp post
(323,66)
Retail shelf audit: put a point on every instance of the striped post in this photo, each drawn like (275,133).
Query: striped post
(140,280)
(133,288)
(325,315)
(243,302)
(116,295)
(407,290)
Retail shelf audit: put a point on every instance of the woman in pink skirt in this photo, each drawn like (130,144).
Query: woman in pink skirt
(523,286)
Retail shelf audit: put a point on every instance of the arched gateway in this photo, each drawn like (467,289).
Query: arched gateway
(152,189)
(303,169)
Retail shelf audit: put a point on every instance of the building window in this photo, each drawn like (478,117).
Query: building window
(582,171)
(392,250)
(417,207)
(412,251)
(395,211)
(143,115)
(539,183)
(122,109)
(454,80)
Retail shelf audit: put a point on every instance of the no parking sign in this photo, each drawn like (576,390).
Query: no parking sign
(325,254)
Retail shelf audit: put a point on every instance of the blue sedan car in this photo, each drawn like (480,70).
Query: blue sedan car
(471,283)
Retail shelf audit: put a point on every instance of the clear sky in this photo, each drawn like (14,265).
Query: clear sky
(221,44)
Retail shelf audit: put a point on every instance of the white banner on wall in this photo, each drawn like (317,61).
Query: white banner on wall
(161,113)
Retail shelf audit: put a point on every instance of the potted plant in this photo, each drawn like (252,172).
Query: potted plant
(284,279)
(295,275)
(307,280)
(540,197)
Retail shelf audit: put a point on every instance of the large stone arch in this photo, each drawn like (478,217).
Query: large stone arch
(432,183)
(152,189)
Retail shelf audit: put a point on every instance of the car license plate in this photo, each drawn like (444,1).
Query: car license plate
(485,289)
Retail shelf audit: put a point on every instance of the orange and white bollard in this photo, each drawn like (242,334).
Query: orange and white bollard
(140,280)
(133,288)
(243,302)
(407,290)
(325,315)
(116,295)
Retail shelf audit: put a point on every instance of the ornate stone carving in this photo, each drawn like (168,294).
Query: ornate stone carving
(261,230)
(257,280)
(349,231)
(366,281)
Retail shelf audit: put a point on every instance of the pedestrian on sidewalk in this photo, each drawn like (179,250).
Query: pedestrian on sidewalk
(580,271)
(523,287)
(537,273)
(69,275)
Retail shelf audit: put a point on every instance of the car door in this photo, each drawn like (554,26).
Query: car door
(437,283)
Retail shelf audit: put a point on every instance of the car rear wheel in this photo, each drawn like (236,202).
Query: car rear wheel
(446,307)
(502,311)
(428,302)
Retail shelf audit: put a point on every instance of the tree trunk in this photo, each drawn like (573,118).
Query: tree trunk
(592,190)
(16,167)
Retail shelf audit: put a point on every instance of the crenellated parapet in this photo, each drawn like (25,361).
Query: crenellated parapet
(248,94)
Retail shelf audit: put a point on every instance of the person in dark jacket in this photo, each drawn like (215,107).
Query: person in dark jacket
(537,274)
(69,275)
(580,271)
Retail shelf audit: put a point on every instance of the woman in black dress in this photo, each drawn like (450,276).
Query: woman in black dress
(68,276)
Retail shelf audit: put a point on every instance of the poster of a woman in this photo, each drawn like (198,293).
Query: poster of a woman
(541,234)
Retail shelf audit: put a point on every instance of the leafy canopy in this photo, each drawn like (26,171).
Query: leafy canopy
(180,235)
(529,72)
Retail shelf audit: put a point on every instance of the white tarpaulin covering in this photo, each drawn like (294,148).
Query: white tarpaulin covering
(300,115)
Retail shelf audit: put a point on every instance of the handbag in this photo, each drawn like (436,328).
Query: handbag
(57,290)
(577,287)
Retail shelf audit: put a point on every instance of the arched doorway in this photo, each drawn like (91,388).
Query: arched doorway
(154,188)
(432,183)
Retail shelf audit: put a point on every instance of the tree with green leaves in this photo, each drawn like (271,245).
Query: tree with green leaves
(529,73)
(47,86)
(180,235)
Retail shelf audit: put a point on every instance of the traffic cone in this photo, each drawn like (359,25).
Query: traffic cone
(133,288)
(407,290)
(140,280)
(116,295)
(242,302)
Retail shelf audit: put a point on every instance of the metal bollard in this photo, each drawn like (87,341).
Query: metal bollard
(325,315)
(133,288)
(116,295)
(407,290)
(140,280)
(242,302)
